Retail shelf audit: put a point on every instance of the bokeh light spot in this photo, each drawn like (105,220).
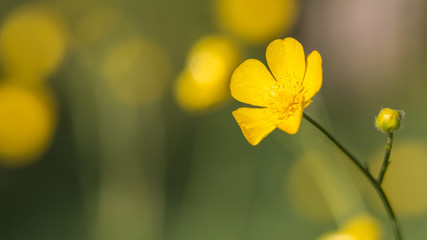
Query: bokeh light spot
(339,236)
(32,42)
(304,191)
(137,70)
(97,25)
(27,122)
(205,80)
(359,227)
(257,21)
(404,176)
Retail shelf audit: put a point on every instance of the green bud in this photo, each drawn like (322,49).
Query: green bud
(388,120)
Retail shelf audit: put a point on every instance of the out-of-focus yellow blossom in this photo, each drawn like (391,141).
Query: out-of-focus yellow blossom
(32,43)
(257,21)
(204,81)
(363,227)
(404,176)
(281,96)
(27,122)
(137,70)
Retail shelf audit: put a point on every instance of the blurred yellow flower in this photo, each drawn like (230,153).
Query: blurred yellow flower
(363,227)
(281,96)
(27,123)
(32,43)
(257,21)
(204,81)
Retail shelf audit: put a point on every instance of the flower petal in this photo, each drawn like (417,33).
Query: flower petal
(291,124)
(313,76)
(255,123)
(286,60)
(251,83)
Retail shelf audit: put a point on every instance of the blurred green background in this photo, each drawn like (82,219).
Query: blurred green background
(107,132)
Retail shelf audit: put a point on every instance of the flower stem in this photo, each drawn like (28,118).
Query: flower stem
(376,184)
(386,162)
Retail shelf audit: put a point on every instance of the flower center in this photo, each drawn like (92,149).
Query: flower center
(286,101)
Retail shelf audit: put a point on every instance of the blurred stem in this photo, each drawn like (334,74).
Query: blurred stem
(371,179)
(386,162)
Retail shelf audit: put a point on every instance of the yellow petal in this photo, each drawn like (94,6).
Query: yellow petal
(313,76)
(291,124)
(251,83)
(286,60)
(255,123)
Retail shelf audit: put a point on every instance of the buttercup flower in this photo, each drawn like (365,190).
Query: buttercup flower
(282,96)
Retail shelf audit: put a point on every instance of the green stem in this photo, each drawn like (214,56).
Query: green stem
(386,162)
(371,179)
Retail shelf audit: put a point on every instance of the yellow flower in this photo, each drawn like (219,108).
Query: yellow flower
(281,96)
(362,227)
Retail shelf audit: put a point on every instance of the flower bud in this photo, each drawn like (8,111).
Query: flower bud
(388,120)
